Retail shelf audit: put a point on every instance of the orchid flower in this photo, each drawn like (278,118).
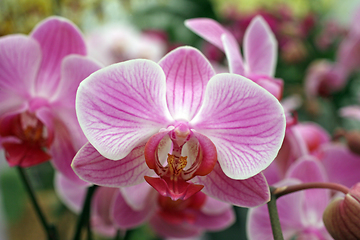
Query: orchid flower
(119,42)
(195,130)
(260,50)
(300,213)
(135,205)
(73,195)
(39,75)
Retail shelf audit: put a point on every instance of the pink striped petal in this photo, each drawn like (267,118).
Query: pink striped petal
(260,48)
(74,69)
(187,73)
(58,37)
(122,105)
(71,194)
(168,230)
(91,166)
(20,59)
(245,193)
(233,55)
(244,121)
(342,166)
(126,217)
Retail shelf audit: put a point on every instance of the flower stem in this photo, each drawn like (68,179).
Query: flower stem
(281,191)
(85,213)
(274,217)
(49,229)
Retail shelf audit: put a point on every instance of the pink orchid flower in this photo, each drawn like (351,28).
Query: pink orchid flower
(73,196)
(259,46)
(173,219)
(39,75)
(300,213)
(215,133)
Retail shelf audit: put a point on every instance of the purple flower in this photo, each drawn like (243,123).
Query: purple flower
(217,132)
(259,46)
(300,213)
(39,75)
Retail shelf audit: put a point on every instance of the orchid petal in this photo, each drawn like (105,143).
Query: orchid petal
(260,48)
(91,166)
(74,69)
(351,112)
(289,209)
(187,73)
(126,217)
(58,37)
(122,105)
(213,206)
(342,166)
(309,169)
(245,193)
(101,212)
(210,30)
(136,196)
(233,55)
(244,121)
(215,222)
(71,194)
(20,59)
(166,229)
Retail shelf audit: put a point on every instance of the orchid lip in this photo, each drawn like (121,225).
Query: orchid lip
(179,169)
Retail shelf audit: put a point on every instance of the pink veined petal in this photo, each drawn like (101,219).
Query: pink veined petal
(187,73)
(91,166)
(341,165)
(125,217)
(289,209)
(233,55)
(74,69)
(58,37)
(71,194)
(168,230)
(20,58)
(245,193)
(351,112)
(309,169)
(244,121)
(260,48)
(215,222)
(136,196)
(122,105)
(101,211)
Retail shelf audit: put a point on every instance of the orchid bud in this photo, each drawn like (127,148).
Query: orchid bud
(353,141)
(341,217)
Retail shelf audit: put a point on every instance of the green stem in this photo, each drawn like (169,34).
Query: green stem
(85,213)
(274,217)
(117,237)
(49,229)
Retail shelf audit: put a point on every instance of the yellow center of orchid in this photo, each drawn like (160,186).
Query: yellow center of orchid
(176,165)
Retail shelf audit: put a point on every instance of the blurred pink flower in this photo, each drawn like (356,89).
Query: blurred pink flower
(119,42)
(300,213)
(39,76)
(216,132)
(259,47)
(178,219)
